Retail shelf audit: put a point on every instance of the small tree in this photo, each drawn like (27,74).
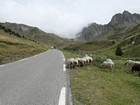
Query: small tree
(113,42)
(119,51)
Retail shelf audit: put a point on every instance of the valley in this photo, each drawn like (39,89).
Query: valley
(91,84)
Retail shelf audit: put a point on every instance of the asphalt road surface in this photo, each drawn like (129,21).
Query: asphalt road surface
(38,80)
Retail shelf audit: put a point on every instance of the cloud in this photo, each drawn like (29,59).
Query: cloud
(46,17)
(63,17)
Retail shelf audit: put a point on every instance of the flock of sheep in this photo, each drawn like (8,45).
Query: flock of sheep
(108,63)
(87,60)
(79,62)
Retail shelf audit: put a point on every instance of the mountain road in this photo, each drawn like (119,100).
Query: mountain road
(37,80)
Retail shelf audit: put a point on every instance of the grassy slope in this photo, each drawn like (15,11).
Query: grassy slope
(93,85)
(107,47)
(33,33)
(13,48)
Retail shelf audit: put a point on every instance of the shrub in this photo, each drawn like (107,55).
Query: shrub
(119,51)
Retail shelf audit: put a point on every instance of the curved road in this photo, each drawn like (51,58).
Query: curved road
(37,80)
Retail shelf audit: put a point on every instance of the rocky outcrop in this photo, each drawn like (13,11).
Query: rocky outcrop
(91,32)
(118,23)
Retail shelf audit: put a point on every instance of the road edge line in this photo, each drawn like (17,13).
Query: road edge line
(62,97)
(2,65)
(64,67)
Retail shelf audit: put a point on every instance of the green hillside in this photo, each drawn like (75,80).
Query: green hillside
(125,41)
(13,47)
(32,33)
(107,45)
(102,86)
(18,41)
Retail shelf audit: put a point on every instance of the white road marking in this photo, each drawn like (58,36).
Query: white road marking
(23,59)
(35,55)
(64,59)
(62,97)
(2,65)
(64,67)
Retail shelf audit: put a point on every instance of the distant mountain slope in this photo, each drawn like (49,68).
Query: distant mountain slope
(118,25)
(33,33)
(130,44)
(108,47)
(14,47)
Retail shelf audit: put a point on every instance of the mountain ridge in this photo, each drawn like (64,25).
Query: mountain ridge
(119,23)
(33,33)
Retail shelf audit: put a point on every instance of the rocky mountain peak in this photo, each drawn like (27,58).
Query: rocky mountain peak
(126,13)
(126,18)
(120,21)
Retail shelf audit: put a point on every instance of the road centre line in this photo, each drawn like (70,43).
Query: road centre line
(62,97)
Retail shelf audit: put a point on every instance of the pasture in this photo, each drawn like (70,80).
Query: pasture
(93,85)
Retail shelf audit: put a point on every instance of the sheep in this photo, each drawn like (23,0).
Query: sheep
(107,64)
(136,68)
(89,59)
(70,63)
(83,61)
(76,62)
(131,62)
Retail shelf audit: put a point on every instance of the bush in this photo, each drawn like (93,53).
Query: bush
(119,51)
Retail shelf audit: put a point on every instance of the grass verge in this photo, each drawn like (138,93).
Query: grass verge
(93,85)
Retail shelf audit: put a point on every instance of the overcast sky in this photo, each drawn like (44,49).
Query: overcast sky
(64,17)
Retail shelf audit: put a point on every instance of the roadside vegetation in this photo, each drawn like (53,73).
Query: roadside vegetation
(94,85)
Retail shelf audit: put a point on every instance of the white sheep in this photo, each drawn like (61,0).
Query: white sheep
(83,61)
(89,59)
(108,64)
(76,62)
(131,62)
(70,63)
